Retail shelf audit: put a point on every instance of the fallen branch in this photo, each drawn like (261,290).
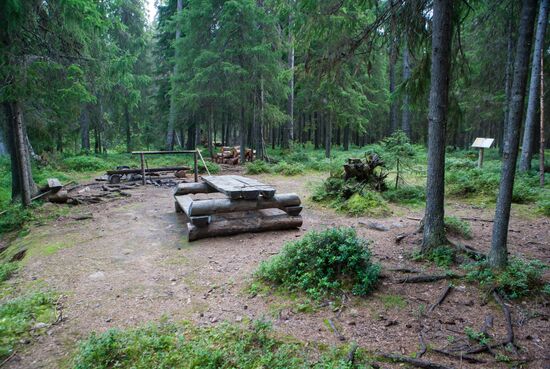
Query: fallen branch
(8,359)
(442,297)
(416,362)
(425,278)
(508,318)
(351,353)
(404,270)
(336,332)
(477,219)
(460,356)
(423,346)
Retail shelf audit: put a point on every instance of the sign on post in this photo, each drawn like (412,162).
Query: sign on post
(481,144)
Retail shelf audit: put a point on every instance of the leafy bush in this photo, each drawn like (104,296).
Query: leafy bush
(287,169)
(6,270)
(523,193)
(367,203)
(298,157)
(186,346)
(442,256)
(258,167)
(520,278)
(458,227)
(543,206)
(323,263)
(18,316)
(85,163)
(406,195)
(212,167)
(14,218)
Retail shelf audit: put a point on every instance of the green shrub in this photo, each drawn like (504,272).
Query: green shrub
(6,270)
(298,157)
(523,193)
(287,169)
(367,203)
(258,167)
(543,207)
(85,163)
(323,263)
(519,279)
(329,189)
(458,227)
(442,256)
(19,315)
(186,346)
(212,167)
(14,218)
(406,195)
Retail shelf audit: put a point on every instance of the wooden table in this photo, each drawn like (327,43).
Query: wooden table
(249,206)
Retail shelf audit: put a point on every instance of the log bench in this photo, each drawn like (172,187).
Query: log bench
(248,206)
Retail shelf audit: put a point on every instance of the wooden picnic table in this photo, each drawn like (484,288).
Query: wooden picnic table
(239,187)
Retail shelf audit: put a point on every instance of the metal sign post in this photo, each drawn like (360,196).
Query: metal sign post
(481,144)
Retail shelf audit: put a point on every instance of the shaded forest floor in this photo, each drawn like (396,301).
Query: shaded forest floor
(131,265)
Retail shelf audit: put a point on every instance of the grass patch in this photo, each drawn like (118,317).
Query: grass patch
(521,278)
(367,203)
(442,256)
(288,169)
(258,167)
(19,315)
(7,270)
(187,346)
(393,301)
(458,227)
(407,195)
(323,263)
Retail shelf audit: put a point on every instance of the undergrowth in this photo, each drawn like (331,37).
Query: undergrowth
(458,227)
(7,270)
(442,256)
(520,278)
(222,346)
(323,263)
(18,316)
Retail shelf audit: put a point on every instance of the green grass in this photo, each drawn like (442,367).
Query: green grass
(442,256)
(458,227)
(7,270)
(222,346)
(323,263)
(393,301)
(18,316)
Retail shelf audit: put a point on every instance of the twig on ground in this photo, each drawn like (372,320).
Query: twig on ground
(335,330)
(460,356)
(351,352)
(424,278)
(423,346)
(416,362)
(404,270)
(442,297)
(508,318)
(8,359)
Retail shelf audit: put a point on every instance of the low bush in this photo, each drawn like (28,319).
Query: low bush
(523,193)
(442,256)
(367,203)
(323,263)
(258,167)
(186,346)
(543,207)
(410,195)
(85,163)
(14,218)
(458,227)
(519,279)
(7,270)
(18,316)
(212,167)
(288,169)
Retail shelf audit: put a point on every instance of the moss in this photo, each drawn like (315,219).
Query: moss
(368,203)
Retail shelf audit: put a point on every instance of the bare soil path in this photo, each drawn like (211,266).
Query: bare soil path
(130,265)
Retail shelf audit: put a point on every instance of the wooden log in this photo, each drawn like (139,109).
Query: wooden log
(219,206)
(257,221)
(187,188)
(201,221)
(236,187)
(59,197)
(54,184)
(147,170)
(293,210)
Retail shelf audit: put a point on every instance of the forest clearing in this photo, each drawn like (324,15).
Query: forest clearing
(274,184)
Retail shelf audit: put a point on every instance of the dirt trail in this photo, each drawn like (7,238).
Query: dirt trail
(130,265)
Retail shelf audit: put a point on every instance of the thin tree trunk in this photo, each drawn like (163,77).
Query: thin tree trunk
(508,77)
(528,146)
(346,137)
(261,144)
(541,146)
(288,134)
(85,130)
(316,135)
(172,115)
(392,62)
(242,135)
(498,255)
(434,226)
(328,135)
(210,130)
(406,114)
(128,128)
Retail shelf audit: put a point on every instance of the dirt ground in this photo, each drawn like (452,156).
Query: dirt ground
(131,264)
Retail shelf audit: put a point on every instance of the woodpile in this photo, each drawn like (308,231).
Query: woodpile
(231,155)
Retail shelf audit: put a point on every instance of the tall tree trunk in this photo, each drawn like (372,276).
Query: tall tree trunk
(172,115)
(128,128)
(392,62)
(328,134)
(242,135)
(498,255)
(261,144)
(85,130)
(316,137)
(3,146)
(346,137)
(288,134)
(23,185)
(508,77)
(406,113)
(541,136)
(210,130)
(528,146)
(434,226)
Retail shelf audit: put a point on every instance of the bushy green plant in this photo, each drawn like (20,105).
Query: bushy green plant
(519,279)
(186,346)
(14,218)
(258,167)
(323,263)
(543,207)
(7,270)
(288,169)
(18,315)
(85,163)
(458,227)
(523,193)
(367,203)
(298,156)
(213,168)
(411,195)
(442,256)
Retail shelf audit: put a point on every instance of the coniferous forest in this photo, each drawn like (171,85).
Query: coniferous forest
(366,109)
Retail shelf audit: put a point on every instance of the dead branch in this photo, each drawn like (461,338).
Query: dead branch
(416,362)
(442,297)
(423,346)
(8,359)
(460,356)
(351,352)
(336,332)
(508,318)
(425,278)
(404,270)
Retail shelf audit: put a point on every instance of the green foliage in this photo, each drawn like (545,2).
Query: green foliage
(409,195)
(14,218)
(323,263)
(288,169)
(367,203)
(86,163)
(19,315)
(7,270)
(458,227)
(393,301)
(212,167)
(478,337)
(258,167)
(442,256)
(186,346)
(520,278)
(543,207)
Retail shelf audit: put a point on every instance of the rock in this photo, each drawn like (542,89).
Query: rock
(213,319)
(97,276)
(239,318)
(39,325)
(108,320)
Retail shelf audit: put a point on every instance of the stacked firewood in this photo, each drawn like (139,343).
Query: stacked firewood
(231,155)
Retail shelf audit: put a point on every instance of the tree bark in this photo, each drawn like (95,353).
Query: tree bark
(242,136)
(173,103)
(288,135)
(128,128)
(434,227)
(406,114)
(328,135)
(508,78)
(498,255)
(392,62)
(210,130)
(346,137)
(528,146)
(85,130)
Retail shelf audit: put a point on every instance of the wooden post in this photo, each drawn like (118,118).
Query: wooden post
(541,152)
(480,159)
(196,168)
(142,157)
